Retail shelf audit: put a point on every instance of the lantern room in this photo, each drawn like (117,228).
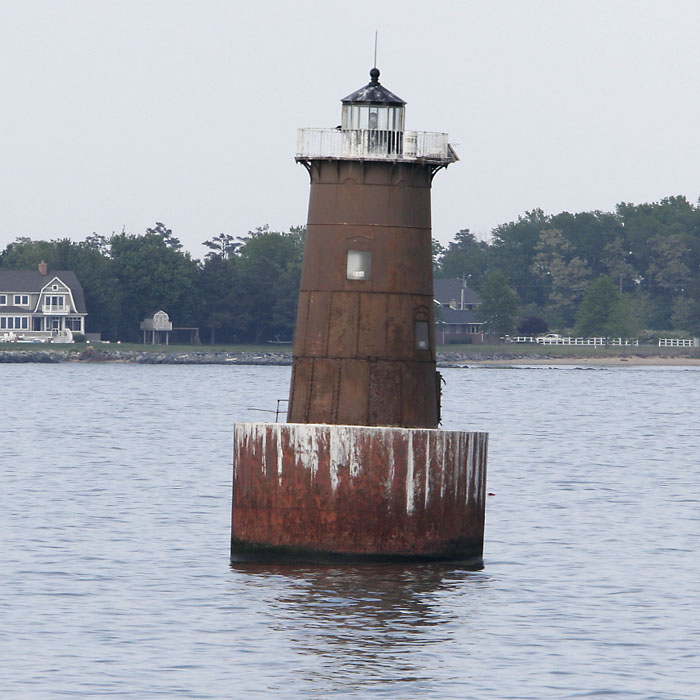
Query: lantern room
(372,121)
(372,128)
(373,107)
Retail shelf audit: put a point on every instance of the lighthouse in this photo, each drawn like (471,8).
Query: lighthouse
(364,350)
(361,469)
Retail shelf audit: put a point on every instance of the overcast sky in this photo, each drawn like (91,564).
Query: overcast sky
(120,113)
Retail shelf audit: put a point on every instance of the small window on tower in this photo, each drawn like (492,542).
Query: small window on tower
(359,265)
(422,335)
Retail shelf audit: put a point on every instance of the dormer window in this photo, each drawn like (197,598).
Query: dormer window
(54,303)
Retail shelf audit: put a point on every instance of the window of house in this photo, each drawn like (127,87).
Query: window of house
(359,265)
(21,300)
(53,301)
(3,299)
(55,288)
(14,322)
(73,323)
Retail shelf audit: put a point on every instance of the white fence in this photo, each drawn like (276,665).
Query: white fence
(599,342)
(679,342)
(374,144)
(595,342)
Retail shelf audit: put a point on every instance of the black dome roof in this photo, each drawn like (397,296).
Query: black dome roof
(374,93)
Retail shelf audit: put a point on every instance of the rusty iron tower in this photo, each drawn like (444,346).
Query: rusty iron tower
(364,351)
(360,468)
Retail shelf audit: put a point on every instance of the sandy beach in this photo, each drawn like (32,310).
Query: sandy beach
(631,361)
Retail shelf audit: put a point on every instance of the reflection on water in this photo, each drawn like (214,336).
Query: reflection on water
(367,624)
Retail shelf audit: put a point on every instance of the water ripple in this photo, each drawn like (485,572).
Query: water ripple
(116,484)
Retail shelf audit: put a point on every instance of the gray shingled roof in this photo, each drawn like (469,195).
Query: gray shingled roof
(458,316)
(445,290)
(32,281)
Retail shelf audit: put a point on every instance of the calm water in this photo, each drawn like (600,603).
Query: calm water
(115,513)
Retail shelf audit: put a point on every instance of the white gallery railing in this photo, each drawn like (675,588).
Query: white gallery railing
(374,144)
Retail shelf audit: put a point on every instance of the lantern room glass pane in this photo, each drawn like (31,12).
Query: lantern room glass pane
(374,118)
(367,116)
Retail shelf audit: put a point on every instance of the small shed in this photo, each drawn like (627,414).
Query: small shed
(159,326)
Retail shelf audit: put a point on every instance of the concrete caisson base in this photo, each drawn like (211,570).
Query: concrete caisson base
(317,491)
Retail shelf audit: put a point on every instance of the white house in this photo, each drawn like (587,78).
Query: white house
(40,305)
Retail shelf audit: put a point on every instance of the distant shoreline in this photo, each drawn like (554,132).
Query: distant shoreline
(632,360)
(446,359)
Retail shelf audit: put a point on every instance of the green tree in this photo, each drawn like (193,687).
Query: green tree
(668,269)
(162,231)
(223,246)
(598,308)
(25,254)
(624,320)
(438,252)
(499,305)
(618,264)
(685,315)
(269,265)
(513,251)
(587,234)
(218,282)
(154,274)
(464,258)
(562,274)
(95,272)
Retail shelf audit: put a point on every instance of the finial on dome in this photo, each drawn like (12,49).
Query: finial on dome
(374,74)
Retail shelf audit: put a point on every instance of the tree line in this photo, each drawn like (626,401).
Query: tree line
(590,273)
(244,290)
